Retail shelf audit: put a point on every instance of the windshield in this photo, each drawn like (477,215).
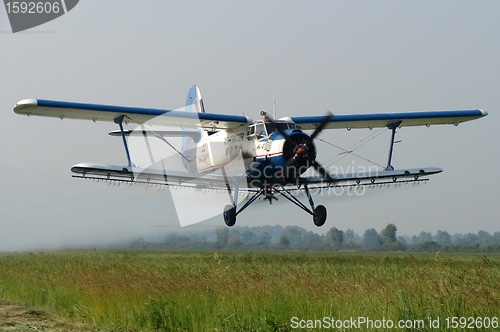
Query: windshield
(260,130)
(282,126)
(267,128)
(270,127)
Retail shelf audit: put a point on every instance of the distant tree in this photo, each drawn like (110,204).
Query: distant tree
(422,238)
(485,239)
(171,238)
(370,239)
(496,237)
(349,236)
(443,238)
(284,241)
(234,242)
(295,236)
(429,246)
(309,239)
(198,238)
(174,238)
(248,237)
(234,234)
(468,239)
(394,246)
(139,243)
(264,238)
(389,233)
(403,241)
(335,237)
(222,237)
(299,238)
(494,248)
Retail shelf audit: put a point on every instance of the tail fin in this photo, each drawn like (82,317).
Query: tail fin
(194,100)
(194,103)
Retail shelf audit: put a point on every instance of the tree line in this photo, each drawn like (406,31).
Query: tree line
(297,238)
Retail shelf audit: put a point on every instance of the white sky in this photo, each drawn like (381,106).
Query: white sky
(343,56)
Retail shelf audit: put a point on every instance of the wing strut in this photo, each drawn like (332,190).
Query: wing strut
(285,193)
(392,127)
(119,121)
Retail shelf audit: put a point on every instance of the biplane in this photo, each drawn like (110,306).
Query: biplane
(273,156)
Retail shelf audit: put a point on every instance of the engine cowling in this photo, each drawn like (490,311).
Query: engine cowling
(299,150)
(282,161)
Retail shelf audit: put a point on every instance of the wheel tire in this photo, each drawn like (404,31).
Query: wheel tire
(319,217)
(229,215)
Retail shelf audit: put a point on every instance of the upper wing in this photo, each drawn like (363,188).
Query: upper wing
(96,112)
(153,116)
(380,120)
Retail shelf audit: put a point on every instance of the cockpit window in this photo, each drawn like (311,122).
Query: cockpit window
(282,126)
(267,128)
(260,130)
(271,128)
(251,131)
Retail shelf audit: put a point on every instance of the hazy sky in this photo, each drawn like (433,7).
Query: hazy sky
(343,56)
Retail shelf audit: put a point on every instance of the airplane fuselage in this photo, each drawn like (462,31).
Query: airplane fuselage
(267,155)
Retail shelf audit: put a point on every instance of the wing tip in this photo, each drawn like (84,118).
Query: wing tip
(30,102)
(23,104)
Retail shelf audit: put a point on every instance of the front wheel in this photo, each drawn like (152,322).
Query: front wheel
(319,216)
(229,215)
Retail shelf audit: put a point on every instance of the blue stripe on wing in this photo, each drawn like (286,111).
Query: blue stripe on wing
(141,111)
(384,119)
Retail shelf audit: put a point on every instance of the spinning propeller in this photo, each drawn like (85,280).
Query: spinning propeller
(301,148)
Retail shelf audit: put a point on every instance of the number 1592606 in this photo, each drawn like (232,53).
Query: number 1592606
(32,7)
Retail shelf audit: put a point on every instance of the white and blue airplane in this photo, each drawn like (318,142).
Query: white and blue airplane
(275,153)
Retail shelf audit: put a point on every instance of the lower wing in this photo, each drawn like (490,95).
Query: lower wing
(371,176)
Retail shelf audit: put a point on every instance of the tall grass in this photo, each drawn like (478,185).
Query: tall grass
(249,291)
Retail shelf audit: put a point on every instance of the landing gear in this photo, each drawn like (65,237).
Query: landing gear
(318,213)
(229,215)
(319,216)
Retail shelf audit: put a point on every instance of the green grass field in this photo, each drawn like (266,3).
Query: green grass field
(252,291)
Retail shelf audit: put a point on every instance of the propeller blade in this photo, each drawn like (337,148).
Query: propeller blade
(321,126)
(321,170)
